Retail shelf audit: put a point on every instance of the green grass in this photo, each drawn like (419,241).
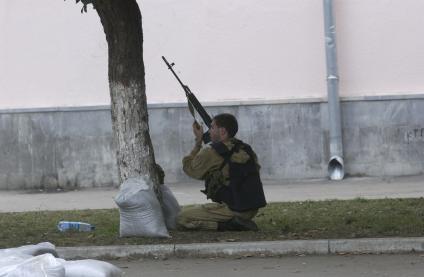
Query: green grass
(278,221)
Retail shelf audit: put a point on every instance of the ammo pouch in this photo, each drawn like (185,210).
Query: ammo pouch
(214,182)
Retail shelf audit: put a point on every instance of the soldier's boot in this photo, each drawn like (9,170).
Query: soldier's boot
(237,224)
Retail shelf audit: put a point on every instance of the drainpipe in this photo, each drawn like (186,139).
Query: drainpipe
(335,164)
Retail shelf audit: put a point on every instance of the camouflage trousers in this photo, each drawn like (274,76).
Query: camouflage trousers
(207,216)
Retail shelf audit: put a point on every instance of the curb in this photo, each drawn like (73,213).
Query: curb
(240,249)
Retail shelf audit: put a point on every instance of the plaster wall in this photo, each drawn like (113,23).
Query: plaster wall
(68,147)
(52,55)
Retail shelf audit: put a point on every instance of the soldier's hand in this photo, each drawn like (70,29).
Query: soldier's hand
(197,131)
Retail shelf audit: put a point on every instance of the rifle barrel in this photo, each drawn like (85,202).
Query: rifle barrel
(173,72)
(191,97)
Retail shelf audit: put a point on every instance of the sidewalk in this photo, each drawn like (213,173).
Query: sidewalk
(189,193)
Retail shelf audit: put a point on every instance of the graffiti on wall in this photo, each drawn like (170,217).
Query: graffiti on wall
(414,135)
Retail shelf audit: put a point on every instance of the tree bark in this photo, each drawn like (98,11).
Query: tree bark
(121,22)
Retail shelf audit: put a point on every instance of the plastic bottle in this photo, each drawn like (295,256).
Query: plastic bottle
(75,225)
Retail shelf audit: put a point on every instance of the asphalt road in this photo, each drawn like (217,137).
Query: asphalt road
(408,265)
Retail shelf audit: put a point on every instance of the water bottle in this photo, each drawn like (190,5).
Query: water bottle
(75,225)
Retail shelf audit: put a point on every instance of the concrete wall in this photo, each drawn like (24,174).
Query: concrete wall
(72,147)
(52,55)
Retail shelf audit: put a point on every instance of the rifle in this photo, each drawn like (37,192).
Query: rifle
(193,103)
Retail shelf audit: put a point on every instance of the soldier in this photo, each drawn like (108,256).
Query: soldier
(230,170)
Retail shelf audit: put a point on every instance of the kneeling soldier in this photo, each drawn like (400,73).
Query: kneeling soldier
(230,170)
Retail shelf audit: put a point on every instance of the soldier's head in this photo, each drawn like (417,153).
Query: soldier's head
(223,127)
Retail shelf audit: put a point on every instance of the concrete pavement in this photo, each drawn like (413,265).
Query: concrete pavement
(246,249)
(189,193)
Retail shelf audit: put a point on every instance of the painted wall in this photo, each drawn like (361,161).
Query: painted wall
(52,55)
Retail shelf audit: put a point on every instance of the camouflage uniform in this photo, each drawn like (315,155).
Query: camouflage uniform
(198,164)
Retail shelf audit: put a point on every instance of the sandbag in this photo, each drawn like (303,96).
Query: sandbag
(44,265)
(170,207)
(90,268)
(139,210)
(10,258)
(20,262)
(37,249)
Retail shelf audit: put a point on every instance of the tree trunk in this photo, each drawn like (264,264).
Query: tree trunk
(121,21)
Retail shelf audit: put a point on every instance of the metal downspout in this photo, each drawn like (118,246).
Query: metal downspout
(335,164)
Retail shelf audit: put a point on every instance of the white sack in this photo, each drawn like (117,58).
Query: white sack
(11,258)
(170,208)
(139,209)
(19,262)
(44,265)
(91,268)
(38,249)
(33,249)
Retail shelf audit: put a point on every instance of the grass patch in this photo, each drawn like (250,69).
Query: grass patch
(278,221)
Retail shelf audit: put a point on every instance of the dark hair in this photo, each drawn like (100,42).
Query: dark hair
(227,121)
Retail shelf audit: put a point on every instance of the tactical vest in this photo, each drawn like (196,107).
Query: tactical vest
(244,191)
